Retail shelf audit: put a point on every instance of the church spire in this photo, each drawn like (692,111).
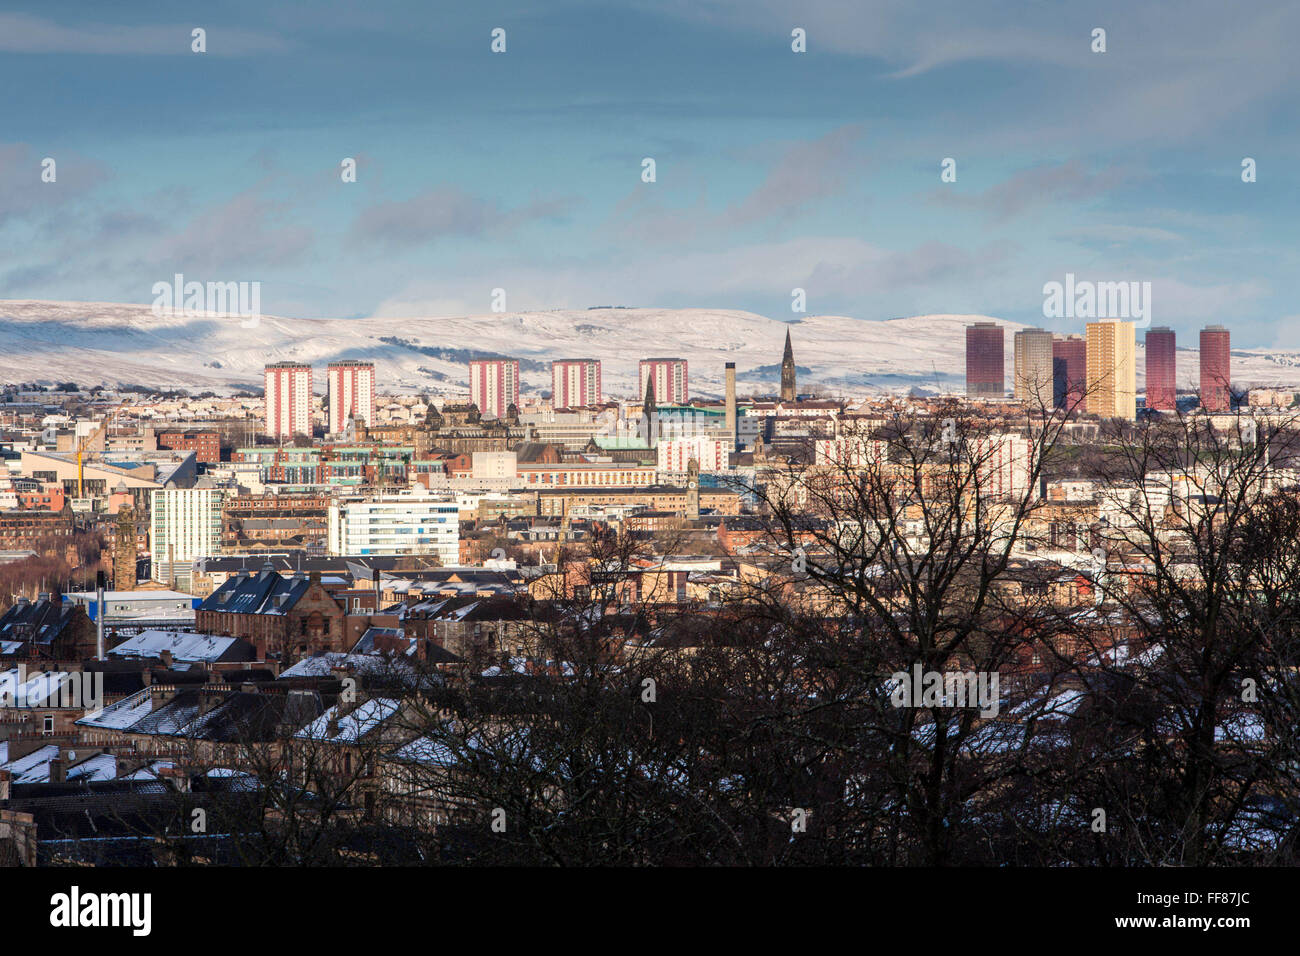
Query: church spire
(788,390)
(649,413)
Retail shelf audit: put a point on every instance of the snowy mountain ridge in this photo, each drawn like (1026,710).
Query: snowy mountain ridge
(115,343)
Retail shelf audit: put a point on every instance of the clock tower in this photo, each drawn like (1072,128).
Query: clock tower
(693,489)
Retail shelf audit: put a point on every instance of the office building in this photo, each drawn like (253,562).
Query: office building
(402,523)
(184,524)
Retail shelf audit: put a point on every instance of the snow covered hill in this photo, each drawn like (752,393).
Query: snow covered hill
(106,343)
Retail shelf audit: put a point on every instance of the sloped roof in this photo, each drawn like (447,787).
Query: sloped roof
(348,728)
(36,622)
(266,592)
(182,645)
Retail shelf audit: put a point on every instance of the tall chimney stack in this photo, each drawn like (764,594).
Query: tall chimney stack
(731,403)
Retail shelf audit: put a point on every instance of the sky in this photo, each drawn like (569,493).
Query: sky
(774,170)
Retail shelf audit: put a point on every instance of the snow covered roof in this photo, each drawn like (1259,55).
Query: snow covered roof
(122,714)
(150,771)
(322,665)
(183,645)
(98,767)
(348,728)
(33,768)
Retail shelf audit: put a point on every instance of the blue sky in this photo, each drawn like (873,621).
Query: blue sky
(775,170)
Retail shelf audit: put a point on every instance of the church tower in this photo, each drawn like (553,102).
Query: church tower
(693,489)
(124,550)
(650,415)
(787,371)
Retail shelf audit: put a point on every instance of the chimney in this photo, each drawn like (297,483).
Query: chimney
(6,782)
(59,770)
(160,694)
(731,403)
(178,777)
(166,657)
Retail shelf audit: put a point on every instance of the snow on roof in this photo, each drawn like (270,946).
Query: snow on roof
(1041,705)
(33,768)
(183,645)
(430,752)
(122,714)
(246,782)
(321,665)
(518,665)
(352,726)
(98,767)
(461,613)
(149,771)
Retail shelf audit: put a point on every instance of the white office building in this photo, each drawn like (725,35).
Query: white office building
(401,523)
(184,524)
(676,453)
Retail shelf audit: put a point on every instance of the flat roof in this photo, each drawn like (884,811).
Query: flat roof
(85,597)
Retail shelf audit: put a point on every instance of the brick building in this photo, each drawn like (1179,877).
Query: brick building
(48,629)
(253,523)
(48,532)
(206,444)
(284,618)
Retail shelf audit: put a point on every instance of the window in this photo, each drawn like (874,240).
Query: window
(48,730)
